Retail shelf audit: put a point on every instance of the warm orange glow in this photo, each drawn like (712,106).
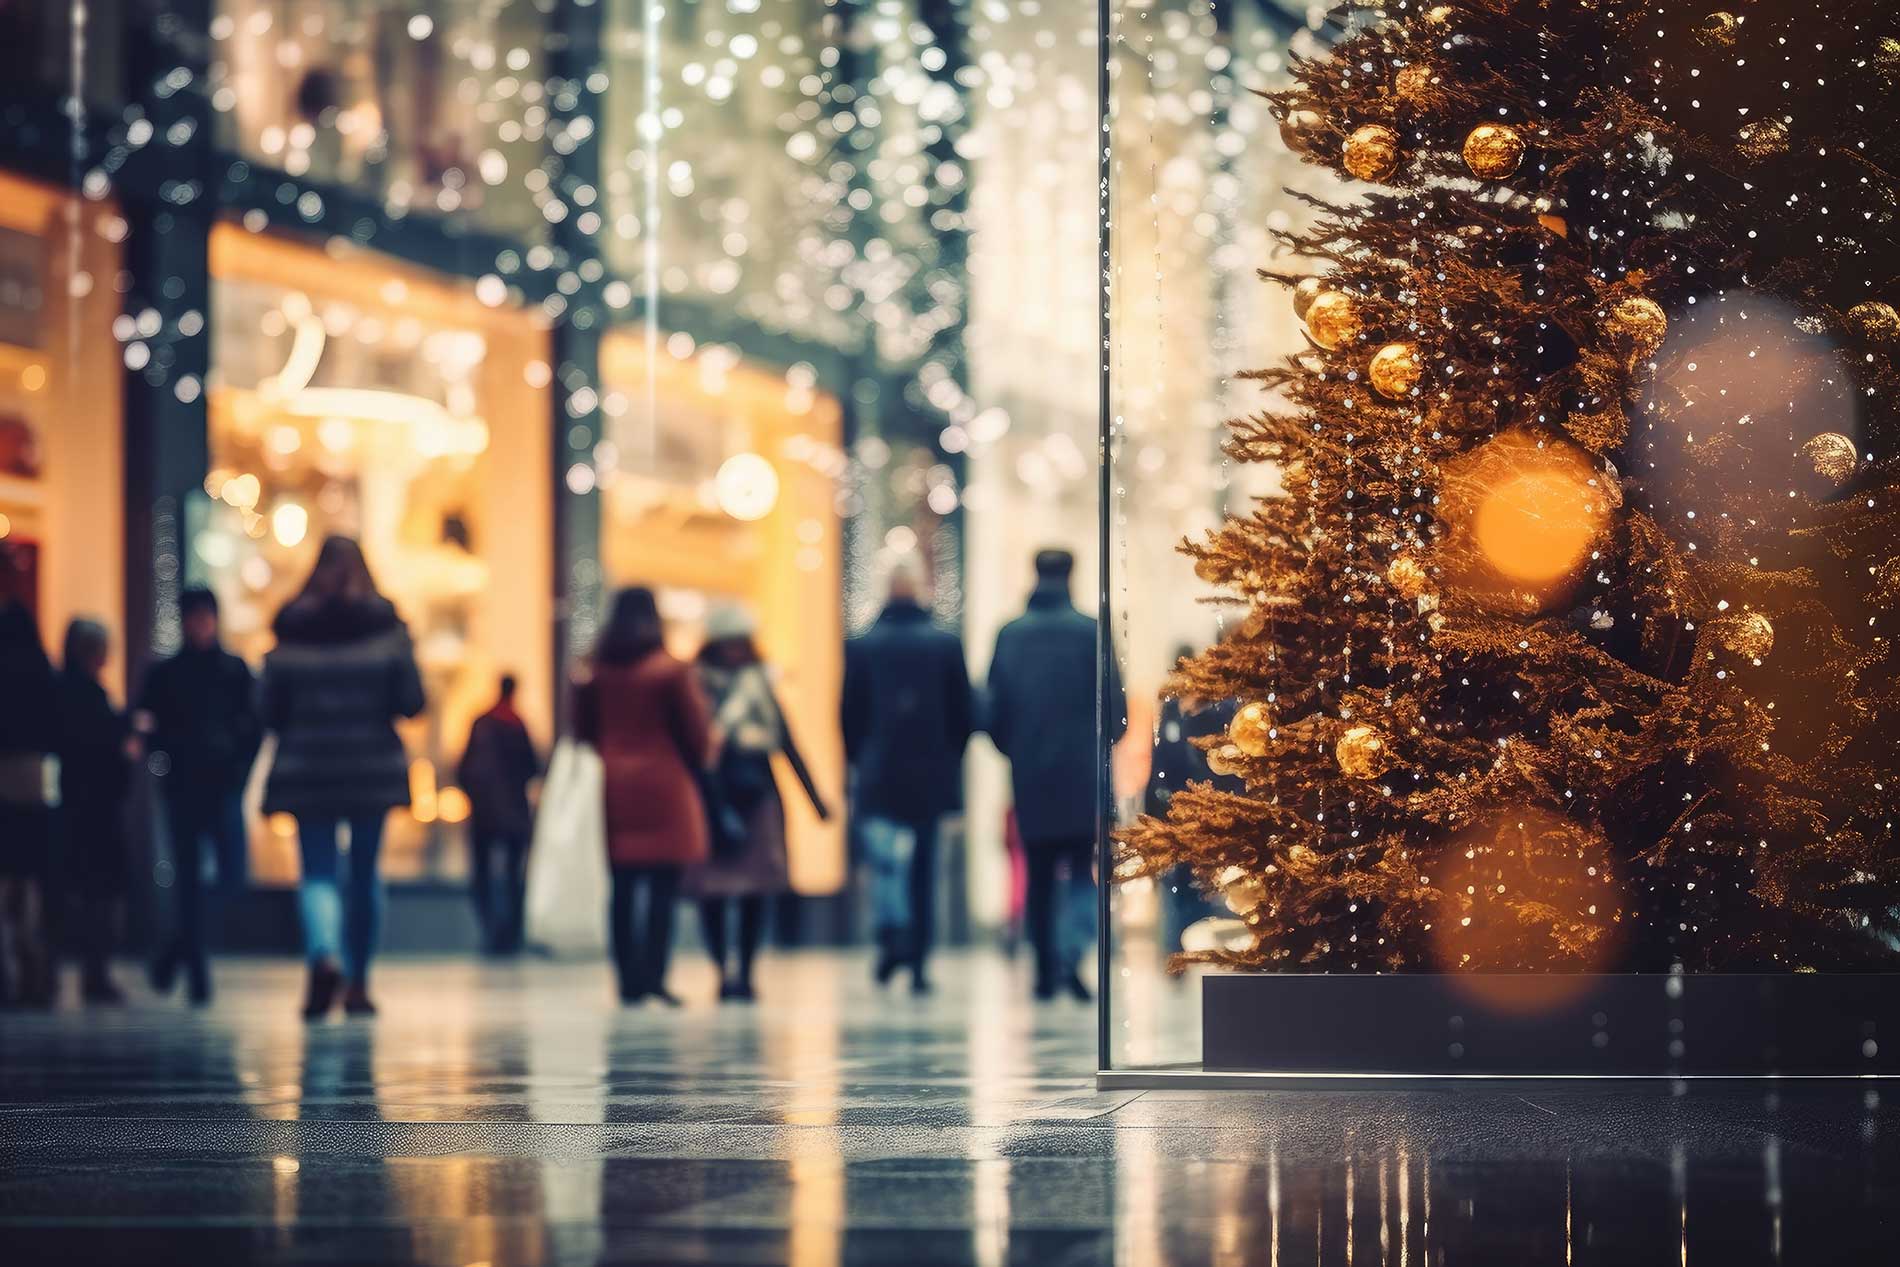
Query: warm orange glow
(1525,511)
(422,797)
(33,377)
(452,805)
(1535,525)
(1530,892)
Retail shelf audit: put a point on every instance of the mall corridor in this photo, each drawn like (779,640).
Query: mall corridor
(505,1114)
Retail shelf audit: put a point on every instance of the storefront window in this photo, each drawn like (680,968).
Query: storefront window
(355,397)
(720,482)
(431,108)
(61,450)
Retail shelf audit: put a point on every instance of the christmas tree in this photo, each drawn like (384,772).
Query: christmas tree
(1567,646)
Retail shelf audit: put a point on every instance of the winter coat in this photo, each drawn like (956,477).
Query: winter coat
(340,676)
(203,706)
(747,714)
(497,766)
(1177,759)
(29,731)
(653,730)
(1043,688)
(907,715)
(95,775)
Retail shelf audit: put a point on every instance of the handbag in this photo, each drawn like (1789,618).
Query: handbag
(567,863)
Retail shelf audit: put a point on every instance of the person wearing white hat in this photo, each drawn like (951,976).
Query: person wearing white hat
(747,816)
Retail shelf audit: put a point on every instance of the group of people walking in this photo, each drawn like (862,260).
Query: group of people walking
(690,799)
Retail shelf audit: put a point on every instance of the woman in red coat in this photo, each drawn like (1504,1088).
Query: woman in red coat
(643,712)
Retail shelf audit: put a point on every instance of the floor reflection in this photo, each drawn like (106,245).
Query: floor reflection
(507,1114)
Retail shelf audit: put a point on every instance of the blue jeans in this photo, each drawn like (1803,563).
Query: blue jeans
(903,858)
(198,819)
(341,921)
(1060,905)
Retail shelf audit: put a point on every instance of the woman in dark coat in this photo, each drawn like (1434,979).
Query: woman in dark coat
(29,733)
(95,774)
(342,672)
(643,712)
(752,730)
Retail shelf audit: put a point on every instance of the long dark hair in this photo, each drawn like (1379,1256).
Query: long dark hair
(341,575)
(634,630)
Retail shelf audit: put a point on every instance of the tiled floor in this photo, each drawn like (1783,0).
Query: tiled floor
(505,1114)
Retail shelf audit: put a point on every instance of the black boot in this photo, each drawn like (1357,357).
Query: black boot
(890,954)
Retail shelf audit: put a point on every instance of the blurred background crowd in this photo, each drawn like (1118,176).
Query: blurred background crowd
(751,302)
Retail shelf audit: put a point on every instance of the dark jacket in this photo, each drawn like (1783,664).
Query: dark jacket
(497,766)
(1043,687)
(94,771)
(1177,759)
(340,676)
(203,706)
(907,715)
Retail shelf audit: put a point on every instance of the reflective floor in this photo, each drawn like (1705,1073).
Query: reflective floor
(505,1114)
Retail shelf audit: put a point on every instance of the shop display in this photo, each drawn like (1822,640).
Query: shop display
(357,398)
(1579,655)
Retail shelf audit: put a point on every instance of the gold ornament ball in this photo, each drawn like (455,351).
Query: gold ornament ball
(1333,320)
(1372,152)
(1762,139)
(1301,130)
(1305,291)
(1875,321)
(1717,30)
(1408,576)
(1750,635)
(1413,83)
(1209,570)
(1832,457)
(1244,895)
(1251,728)
(1395,370)
(1638,323)
(1360,752)
(1222,760)
(1887,60)
(1493,151)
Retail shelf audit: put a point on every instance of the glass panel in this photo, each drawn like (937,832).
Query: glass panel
(1196,193)
(356,397)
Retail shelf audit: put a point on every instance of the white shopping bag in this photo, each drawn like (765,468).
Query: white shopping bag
(567,865)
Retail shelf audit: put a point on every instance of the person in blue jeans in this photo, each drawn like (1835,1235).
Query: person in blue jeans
(198,715)
(342,673)
(907,719)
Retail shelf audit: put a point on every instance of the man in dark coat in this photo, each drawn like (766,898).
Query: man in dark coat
(907,720)
(1043,689)
(199,712)
(498,764)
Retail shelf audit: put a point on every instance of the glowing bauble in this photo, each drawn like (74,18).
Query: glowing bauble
(1875,321)
(1252,728)
(746,486)
(1360,752)
(1333,320)
(1750,635)
(1762,139)
(1523,511)
(1372,152)
(1224,759)
(1305,291)
(1832,458)
(1887,60)
(1413,83)
(1302,130)
(1638,324)
(1408,576)
(1493,151)
(1717,30)
(1244,895)
(1395,370)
